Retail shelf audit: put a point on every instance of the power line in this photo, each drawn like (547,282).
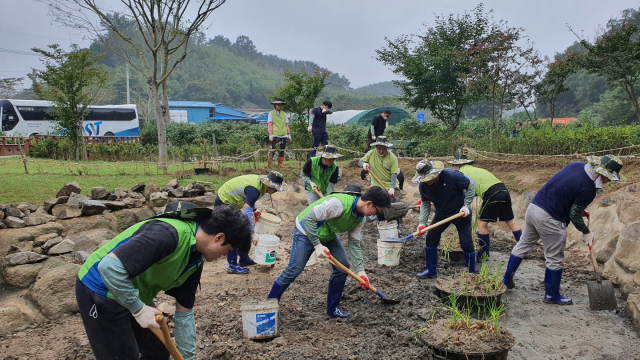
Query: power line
(19,52)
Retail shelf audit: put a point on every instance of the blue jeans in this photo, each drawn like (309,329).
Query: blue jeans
(462,224)
(301,250)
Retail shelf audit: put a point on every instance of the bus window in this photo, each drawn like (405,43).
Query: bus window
(9,119)
(125,114)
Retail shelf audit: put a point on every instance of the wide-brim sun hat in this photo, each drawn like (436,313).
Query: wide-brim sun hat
(427,170)
(275,180)
(382,140)
(329,152)
(461,159)
(278,100)
(608,166)
(350,189)
(184,210)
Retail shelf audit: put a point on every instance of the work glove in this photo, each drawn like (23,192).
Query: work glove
(366,167)
(322,251)
(271,138)
(419,202)
(309,129)
(289,136)
(324,111)
(146,317)
(465,210)
(254,238)
(313,186)
(363,276)
(392,192)
(586,214)
(588,239)
(256,216)
(419,229)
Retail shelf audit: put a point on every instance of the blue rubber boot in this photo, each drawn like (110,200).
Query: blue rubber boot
(276,291)
(245,260)
(485,243)
(333,298)
(517,234)
(431,259)
(512,267)
(232,259)
(470,260)
(552,288)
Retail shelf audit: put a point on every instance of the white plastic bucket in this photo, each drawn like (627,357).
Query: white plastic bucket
(268,224)
(388,229)
(267,249)
(260,319)
(312,259)
(389,253)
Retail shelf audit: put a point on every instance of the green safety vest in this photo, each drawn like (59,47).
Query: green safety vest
(320,176)
(279,123)
(232,192)
(481,178)
(328,229)
(168,273)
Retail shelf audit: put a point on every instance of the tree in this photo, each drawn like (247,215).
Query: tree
(71,81)
(220,41)
(553,83)
(9,87)
(166,28)
(244,48)
(443,68)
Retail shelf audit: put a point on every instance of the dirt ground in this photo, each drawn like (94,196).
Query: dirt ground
(374,330)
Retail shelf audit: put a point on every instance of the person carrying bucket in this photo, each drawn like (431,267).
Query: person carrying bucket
(450,192)
(116,286)
(278,127)
(316,230)
(561,200)
(242,192)
(496,201)
(320,173)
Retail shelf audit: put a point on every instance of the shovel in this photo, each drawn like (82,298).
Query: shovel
(355,276)
(377,179)
(165,337)
(601,295)
(421,232)
(318,192)
(397,210)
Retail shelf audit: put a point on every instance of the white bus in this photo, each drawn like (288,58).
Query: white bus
(33,117)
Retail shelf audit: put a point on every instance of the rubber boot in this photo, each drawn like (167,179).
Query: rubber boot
(470,260)
(280,160)
(552,288)
(276,291)
(333,298)
(232,259)
(485,242)
(268,162)
(245,260)
(431,259)
(517,234)
(512,267)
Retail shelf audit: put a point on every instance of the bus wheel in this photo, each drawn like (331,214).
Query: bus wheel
(109,138)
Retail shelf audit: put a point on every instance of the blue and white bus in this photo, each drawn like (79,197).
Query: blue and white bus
(33,117)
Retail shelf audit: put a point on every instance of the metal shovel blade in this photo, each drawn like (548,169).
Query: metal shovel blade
(601,296)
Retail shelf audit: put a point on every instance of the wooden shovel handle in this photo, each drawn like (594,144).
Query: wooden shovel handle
(376,178)
(433,226)
(165,337)
(339,265)
(315,190)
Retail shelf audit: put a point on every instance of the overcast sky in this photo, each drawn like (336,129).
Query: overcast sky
(341,35)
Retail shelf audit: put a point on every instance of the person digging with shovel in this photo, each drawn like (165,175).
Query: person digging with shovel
(316,229)
(450,192)
(116,286)
(561,200)
(496,201)
(242,192)
(320,173)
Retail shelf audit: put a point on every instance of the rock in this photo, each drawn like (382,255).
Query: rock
(114,205)
(627,254)
(158,199)
(128,217)
(605,201)
(41,211)
(14,222)
(92,207)
(24,207)
(296,187)
(120,193)
(167,307)
(99,193)
(21,276)
(150,189)
(49,204)
(22,258)
(42,239)
(132,203)
(76,200)
(80,224)
(3,225)
(606,247)
(54,290)
(17,314)
(52,242)
(81,256)
(71,187)
(194,189)
(66,246)
(90,240)
(1,214)
(24,246)
(633,308)
(173,183)
(209,193)
(64,211)
(139,187)
(11,236)
(173,192)
(36,220)
(628,207)
(12,210)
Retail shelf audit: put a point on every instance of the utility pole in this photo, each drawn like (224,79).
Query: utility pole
(128,99)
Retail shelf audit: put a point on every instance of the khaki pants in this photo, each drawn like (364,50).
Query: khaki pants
(538,224)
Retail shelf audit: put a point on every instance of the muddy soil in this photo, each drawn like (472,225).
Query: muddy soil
(374,330)
(477,338)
